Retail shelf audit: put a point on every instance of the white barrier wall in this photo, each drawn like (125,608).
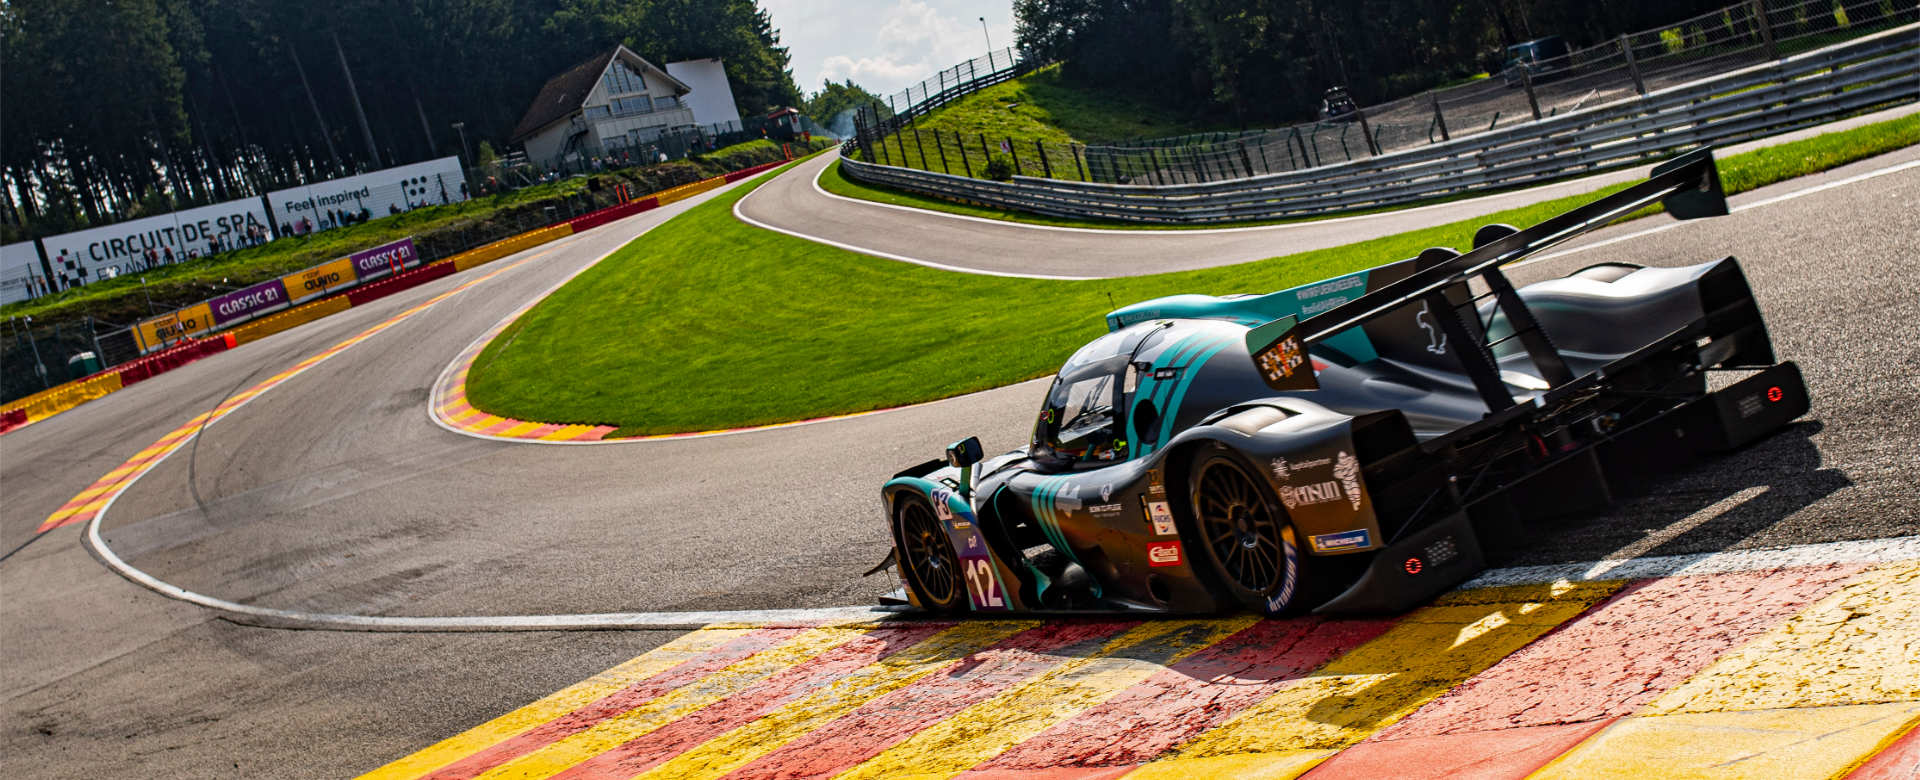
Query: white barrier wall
(20,272)
(320,206)
(97,253)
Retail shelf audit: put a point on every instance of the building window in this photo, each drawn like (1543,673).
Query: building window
(599,112)
(628,106)
(666,103)
(622,80)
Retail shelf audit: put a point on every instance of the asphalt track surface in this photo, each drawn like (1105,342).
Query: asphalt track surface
(336,493)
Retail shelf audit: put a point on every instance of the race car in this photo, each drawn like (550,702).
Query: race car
(1355,445)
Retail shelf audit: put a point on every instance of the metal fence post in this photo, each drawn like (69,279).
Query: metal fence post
(900,140)
(1366,131)
(984,152)
(1077,167)
(940,147)
(1015,151)
(1533,102)
(1440,118)
(922,148)
(1245,161)
(1633,66)
(1045,167)
(1766,29)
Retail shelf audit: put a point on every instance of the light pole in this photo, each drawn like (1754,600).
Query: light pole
(461,128)
(983,31)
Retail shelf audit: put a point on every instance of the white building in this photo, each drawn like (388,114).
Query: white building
(712,97)
(609,103)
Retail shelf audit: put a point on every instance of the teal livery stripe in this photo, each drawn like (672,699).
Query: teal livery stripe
(1163,392)
(1186,379)
(1043,500)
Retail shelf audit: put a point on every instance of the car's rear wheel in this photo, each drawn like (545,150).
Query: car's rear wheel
(1245,535)
(927,558)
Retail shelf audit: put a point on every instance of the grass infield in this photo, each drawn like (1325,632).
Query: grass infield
(708,323)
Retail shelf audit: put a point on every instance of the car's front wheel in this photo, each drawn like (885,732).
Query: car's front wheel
(1245,535)
(927,558)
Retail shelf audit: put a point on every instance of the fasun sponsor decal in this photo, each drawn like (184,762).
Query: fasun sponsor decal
(1308,495)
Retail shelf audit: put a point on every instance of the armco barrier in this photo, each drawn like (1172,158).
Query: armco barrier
(753,171)
(1797,91)
(405,281)
(69,395)
(11,419)
(299,315)
(519,243)
(612,213)
(172,357)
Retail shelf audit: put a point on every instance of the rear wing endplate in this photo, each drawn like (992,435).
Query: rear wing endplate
(1688,186)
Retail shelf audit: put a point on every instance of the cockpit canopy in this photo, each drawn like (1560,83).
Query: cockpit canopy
(1084,415)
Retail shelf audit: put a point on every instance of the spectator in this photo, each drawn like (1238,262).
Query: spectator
(213,247)
(153,258)
(169,255)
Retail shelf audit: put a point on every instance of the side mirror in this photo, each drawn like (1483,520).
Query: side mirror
(964,453)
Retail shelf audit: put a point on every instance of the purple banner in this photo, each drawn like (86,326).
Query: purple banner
(382,260)
(244,303)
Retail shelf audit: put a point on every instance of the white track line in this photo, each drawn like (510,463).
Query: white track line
(1782,198)
(737,214)
(983,272)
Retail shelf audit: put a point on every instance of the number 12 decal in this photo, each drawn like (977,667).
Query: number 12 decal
(981,585)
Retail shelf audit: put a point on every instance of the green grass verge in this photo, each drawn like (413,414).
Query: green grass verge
(1041,106)
(1740,173)
(707,323)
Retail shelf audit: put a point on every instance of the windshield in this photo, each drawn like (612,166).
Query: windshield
(1078,424)
(1085,411)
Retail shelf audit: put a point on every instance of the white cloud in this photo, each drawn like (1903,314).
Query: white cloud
(883,45)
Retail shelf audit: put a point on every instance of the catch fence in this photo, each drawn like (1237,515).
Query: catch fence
(1629,66)
(1816,86)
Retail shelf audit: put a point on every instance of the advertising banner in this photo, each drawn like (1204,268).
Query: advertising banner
(384,259)
(104,252)
(316,281)
(166,329)
(241,304)
(21,277)
(329,204)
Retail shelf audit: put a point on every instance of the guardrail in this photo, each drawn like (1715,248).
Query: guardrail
(1805,89)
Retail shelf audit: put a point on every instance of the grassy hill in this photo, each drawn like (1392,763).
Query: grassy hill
(1041,105)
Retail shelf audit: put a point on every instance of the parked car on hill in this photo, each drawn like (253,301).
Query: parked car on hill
(1541,58)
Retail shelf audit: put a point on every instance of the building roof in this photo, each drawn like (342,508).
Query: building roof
(566,93)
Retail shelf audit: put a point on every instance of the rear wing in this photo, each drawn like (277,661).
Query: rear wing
(1688,186)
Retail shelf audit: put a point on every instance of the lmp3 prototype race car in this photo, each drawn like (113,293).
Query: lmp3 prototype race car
(1359,444)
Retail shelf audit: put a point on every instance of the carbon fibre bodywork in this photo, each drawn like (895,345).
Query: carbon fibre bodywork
(1397,422)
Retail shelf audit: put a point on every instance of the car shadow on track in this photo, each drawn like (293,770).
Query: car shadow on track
(1740,499)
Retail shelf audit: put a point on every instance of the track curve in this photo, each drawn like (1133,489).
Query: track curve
(334,494)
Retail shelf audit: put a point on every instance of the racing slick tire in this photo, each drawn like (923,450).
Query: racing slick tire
(1247,543)
(927,559)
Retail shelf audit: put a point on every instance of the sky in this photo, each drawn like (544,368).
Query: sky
(884,45)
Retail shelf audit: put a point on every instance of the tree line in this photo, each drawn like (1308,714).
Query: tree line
(120,109)
(1271,60)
